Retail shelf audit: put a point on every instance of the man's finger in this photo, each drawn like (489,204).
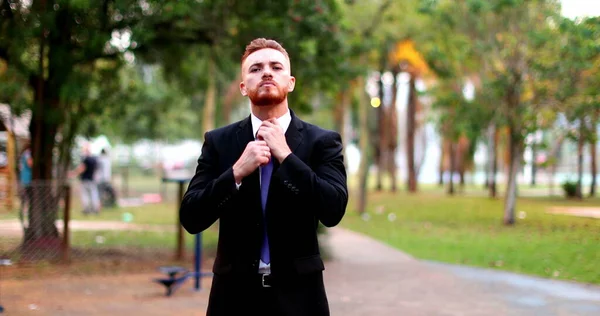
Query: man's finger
(269,122)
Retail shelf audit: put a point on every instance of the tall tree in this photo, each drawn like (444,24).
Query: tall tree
(453,59)
(578,93)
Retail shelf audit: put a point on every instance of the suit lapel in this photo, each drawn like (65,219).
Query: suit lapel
(293,134)
(244,134)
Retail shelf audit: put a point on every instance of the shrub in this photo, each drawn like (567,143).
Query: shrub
(570,188)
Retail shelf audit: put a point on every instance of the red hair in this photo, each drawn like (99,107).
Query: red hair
(262,43)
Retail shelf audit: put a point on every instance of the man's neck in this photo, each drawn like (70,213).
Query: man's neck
(265,112)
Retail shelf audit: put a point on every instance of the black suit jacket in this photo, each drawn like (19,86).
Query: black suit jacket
(307,187)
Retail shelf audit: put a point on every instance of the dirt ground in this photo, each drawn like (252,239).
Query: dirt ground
(132,294)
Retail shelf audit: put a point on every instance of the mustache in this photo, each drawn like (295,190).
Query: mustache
(264,82)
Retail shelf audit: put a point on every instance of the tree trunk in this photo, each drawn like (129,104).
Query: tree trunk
(410,135)
(443,151)
(554,162)
(232,94)
(381,144)
(339,112)
(511,188)
(494,137)
(461,161)
(488,164)
(226,112)
(41,239)
(580,146)
(363,143)
(533,163)
(392,139)
(208,121)
(340,116)
(452,169)
(41,234)
(593,166)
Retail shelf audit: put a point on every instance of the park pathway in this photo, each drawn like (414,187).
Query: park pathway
(365,277)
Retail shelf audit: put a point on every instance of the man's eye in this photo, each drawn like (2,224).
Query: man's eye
(277,68)
(254,69)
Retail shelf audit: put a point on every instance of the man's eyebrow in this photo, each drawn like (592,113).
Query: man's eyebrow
(261,63)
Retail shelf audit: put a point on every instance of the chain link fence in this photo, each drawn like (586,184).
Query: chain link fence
(58,222)
(38,234)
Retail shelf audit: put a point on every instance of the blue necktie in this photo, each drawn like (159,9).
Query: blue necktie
(265,179)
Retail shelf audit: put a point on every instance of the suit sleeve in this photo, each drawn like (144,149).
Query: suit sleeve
(209,193)
(324,185)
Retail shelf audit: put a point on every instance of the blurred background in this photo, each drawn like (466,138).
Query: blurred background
(470,127)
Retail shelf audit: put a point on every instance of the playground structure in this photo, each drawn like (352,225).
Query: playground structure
(177,275)
(14,133)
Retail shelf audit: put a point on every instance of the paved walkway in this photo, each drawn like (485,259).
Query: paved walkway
(364,278)
(369,278)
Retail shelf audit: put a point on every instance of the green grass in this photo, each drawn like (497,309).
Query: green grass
(134,239)
(469,230)
(161,220)
(162,213)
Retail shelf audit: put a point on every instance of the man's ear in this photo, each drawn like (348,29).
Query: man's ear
(243,89)
(292,84)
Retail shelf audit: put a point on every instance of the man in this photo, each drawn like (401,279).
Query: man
(269,179)
(90,199)
(104,179)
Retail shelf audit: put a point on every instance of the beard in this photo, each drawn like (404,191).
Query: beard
(267,96)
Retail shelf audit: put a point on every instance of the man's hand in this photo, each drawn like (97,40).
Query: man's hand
(257,153)
(272,133)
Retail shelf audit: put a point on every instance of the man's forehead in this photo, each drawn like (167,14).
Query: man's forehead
(266,55)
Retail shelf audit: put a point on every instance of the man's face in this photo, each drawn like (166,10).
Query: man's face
(266,77)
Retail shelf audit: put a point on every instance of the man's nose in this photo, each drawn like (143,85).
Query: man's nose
(267,73)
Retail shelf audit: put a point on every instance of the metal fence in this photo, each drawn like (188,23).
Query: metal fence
(53,223)
(34,231)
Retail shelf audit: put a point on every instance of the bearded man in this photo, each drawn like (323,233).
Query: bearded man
(269,180)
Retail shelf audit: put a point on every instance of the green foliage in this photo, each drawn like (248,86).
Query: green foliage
(145,107)
(453,59)
(95,54)
(570,188)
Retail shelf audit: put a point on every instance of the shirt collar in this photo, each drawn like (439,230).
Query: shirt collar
(284,121)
